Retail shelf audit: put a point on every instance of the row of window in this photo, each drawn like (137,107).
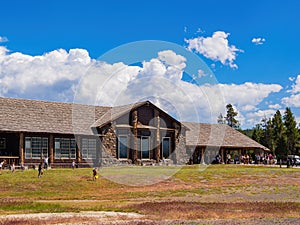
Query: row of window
(123,143)
(64,148)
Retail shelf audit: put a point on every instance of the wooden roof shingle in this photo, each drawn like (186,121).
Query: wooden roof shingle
(201,134)
(22,115)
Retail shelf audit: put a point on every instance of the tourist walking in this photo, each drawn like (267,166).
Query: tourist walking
(40,169)
(95,173)
(12,167)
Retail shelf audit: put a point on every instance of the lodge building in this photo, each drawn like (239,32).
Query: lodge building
(140,133)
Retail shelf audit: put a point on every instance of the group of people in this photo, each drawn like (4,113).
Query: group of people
(12,166)
(267,159)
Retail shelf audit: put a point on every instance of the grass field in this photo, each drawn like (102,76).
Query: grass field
(191,193)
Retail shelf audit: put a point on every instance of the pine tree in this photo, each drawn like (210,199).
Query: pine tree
(258,133)
(292,135)
(279,135)
(230,117)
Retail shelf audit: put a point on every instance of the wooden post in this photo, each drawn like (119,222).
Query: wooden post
(222,155)
(21,148)
(78,153)
(135,134)
(51,149)
(158,138)
(202,156)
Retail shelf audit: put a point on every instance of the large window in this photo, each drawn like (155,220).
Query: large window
(36,147)
(122,146)
(166,147)
(2,143)
(65,148)
(88,148)
(145,147)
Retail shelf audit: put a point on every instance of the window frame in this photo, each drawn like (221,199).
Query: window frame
(119,145)
(149,139)
(88,149)
(162,147)
(57,151)
(43,147)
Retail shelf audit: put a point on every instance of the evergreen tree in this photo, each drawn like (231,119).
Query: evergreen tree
(258,133)
(230,117)
(279,135)
(292,135)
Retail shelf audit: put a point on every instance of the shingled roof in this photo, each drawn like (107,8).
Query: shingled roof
(115,113)
(22,115)
(200,134)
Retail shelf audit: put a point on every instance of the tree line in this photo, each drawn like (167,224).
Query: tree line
(278,133)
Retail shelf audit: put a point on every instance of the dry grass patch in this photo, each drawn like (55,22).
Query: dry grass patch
(231,210)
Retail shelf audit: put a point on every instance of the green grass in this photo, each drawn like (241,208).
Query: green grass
(125,188)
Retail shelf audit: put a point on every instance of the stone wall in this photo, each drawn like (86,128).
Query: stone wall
(180,156)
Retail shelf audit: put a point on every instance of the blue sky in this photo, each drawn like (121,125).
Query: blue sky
(258,74)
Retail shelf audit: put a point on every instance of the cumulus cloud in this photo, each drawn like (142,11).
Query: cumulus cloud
(55,76)
(216,48)
(258,41)
(43,75)
(3,39)
(294,98)
(239,94)
(256,116)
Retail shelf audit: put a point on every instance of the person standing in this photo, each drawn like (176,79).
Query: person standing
(95,173)
(12,167)
(40,169)
(46,163)
(1,165)
(73,164)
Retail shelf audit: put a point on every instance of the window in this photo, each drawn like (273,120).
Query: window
(36,147)
(166,147)
(65,148)
(88,148)
(2,143)
(122,146)
(145,147)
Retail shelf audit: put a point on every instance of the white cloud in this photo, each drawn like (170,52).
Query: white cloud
(254,118)
(296,86)
(294,98)
(216,48)
(3,39)
(275,106)
(248,95)
(291,78)
(55,76)
(43,75)
(258,41)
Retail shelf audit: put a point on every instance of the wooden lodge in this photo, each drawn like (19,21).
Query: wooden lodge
(140,133)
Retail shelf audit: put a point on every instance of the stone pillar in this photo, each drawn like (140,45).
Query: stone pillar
(158,138)
(21,148)
(135,134)
(51,149)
